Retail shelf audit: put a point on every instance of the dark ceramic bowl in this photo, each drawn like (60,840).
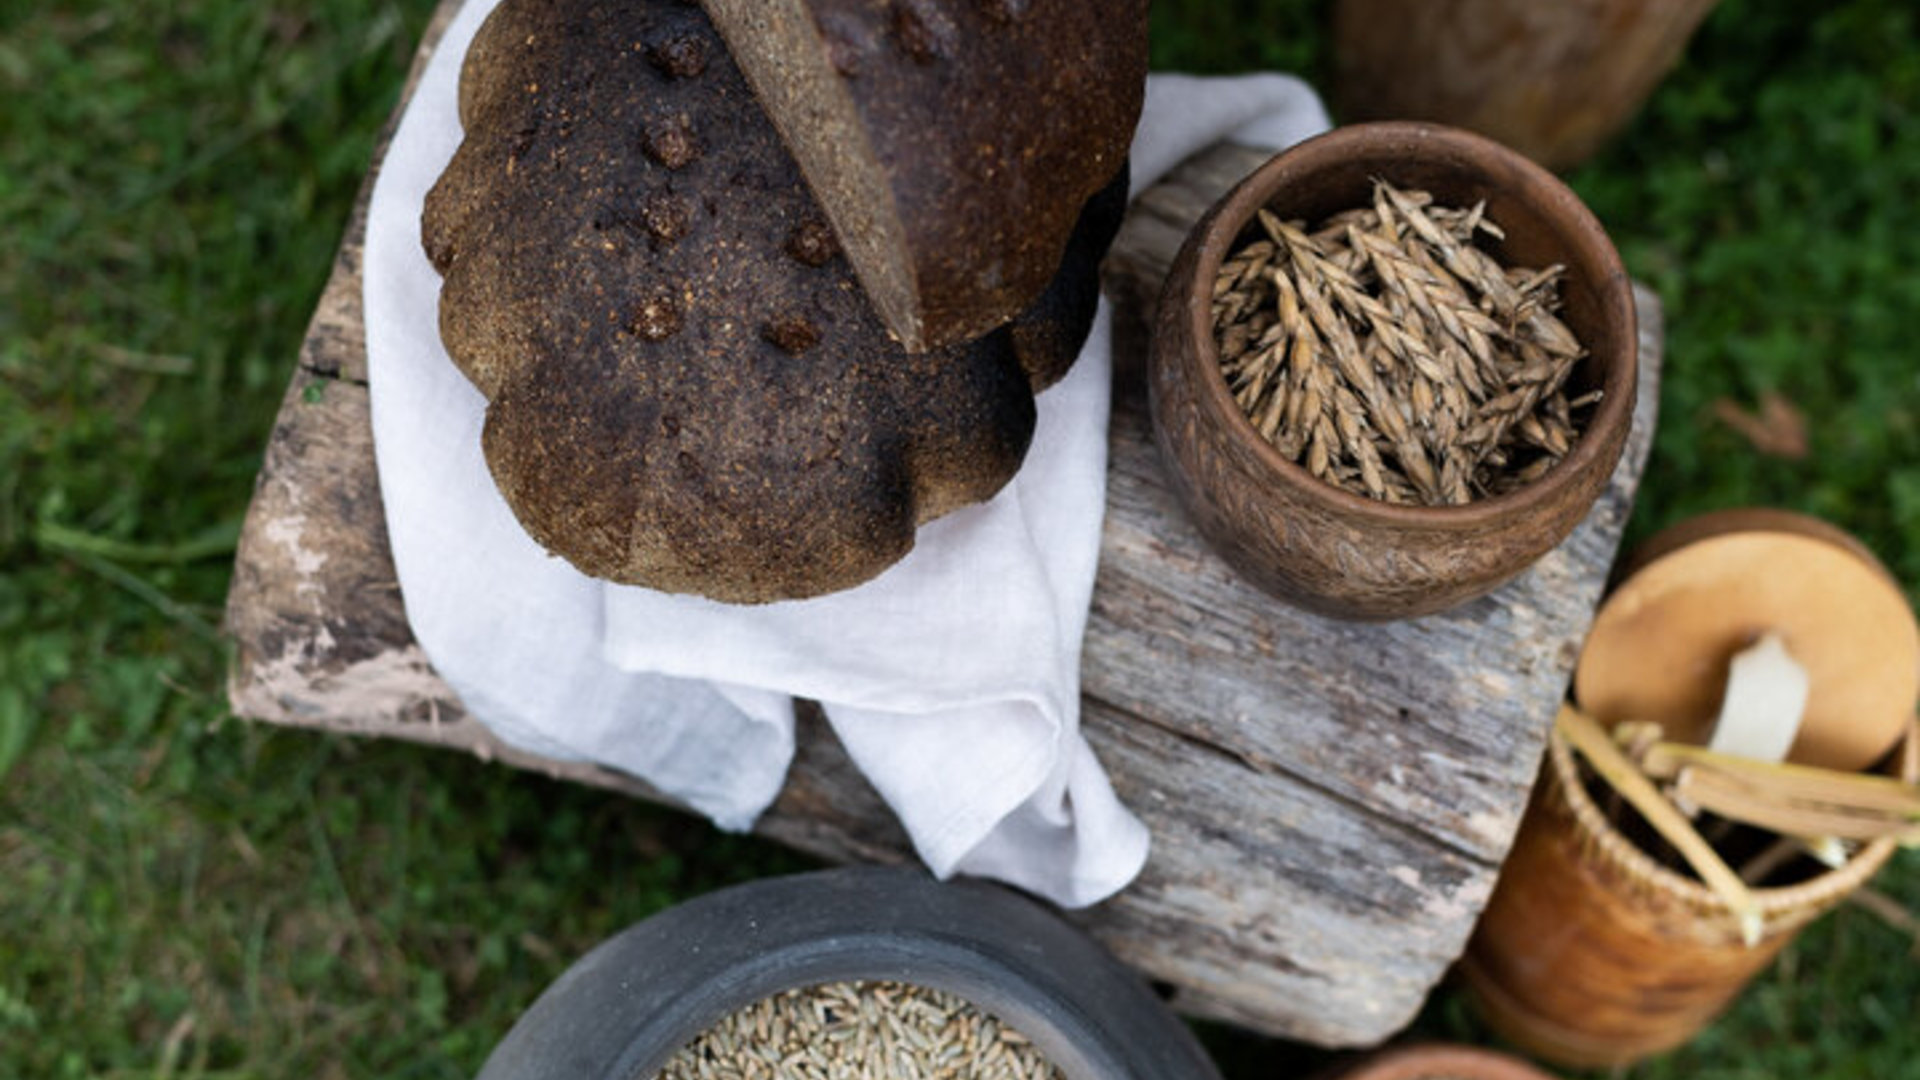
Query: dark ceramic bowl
(1342,554)
(626,1007)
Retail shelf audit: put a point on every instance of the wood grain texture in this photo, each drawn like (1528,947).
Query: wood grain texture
(1329,801)
(1553,81)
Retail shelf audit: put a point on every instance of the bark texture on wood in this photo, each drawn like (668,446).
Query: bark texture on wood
(1330,802)
(1552,80)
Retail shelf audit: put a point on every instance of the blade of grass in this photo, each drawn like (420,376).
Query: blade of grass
(17,727)
(214,541)
(146,591)
(386,25)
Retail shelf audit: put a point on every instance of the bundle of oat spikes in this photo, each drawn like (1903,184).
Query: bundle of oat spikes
(1393,358)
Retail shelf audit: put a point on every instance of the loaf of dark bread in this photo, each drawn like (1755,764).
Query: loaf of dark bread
(952,143)
(1048,336)
(687,387)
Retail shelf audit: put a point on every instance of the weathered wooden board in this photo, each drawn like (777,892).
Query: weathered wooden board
(1329,802)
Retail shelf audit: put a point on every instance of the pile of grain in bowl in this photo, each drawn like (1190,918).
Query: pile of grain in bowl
(860,1031)
(1390,356)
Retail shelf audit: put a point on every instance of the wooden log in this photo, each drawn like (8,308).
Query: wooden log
(1552,80)
(1329,802)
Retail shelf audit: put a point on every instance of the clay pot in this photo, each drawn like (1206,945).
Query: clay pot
(626,1007)
(1551,80)
(1435,1061)
(1592,954)
(1342,554)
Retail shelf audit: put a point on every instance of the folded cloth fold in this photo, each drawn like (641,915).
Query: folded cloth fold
(952,679)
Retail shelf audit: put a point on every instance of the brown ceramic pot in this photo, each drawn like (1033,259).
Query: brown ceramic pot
(1435,1061)
(1342,554)
(1592,954)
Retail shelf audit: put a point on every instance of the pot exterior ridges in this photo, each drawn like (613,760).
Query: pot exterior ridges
(1341,554)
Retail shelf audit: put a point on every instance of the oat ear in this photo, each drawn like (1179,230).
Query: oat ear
(1447,374)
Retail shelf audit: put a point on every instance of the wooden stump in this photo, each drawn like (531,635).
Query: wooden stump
(1553,80)
(1329,802)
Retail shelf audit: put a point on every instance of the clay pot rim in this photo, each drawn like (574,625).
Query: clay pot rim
(1588,242)
(1423,1061)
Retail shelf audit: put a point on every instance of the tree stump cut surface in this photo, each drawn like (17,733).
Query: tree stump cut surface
(1330,802)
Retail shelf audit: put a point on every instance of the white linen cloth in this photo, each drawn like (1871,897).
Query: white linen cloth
(952,679)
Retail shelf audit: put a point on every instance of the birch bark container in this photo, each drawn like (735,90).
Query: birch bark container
(1591,952)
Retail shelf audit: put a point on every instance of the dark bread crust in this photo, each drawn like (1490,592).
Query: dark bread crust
(1049,335)
(687,388)
(952,142)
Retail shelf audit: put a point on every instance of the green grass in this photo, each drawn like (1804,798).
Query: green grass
(182,894)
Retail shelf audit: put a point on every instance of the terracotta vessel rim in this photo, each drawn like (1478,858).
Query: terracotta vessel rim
(1425,1061)
(1588,242)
